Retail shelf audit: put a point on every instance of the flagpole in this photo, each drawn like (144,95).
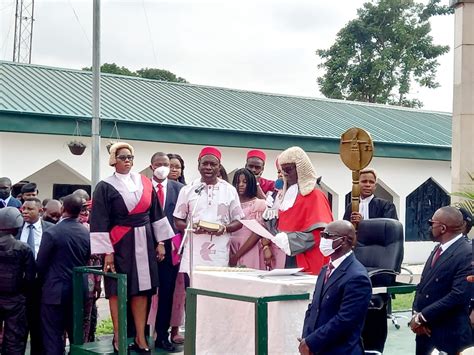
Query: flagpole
(95,132)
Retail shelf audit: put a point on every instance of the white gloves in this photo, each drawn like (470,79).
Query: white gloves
(281,241)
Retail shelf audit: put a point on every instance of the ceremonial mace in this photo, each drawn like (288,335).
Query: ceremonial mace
(356,151)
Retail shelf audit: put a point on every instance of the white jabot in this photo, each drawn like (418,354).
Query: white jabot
(364,206)
(127,181)
(289,198)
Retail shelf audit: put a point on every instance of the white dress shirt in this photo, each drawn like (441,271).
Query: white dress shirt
(38,233)
(364,206)
(164,183)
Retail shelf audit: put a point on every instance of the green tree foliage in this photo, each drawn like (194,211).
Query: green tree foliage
(376,56)
(147,73)
(159,74)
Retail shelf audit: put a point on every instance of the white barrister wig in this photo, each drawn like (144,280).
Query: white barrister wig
(304,168)
(113,151)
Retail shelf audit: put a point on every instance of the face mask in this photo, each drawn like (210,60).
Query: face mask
(161,172)
(279,184)
(325,246)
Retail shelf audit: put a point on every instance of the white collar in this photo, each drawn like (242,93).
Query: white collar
(446,245)
(336,263)
(37,224)
(367,199)
(127,181)
(164,183)
(289,197)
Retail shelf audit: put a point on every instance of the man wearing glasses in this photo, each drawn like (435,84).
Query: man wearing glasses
(334,320)
(440,310)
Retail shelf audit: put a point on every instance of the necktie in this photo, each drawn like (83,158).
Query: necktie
(328,272)
(31,237)
(161,195)
(436,256)
(3,203)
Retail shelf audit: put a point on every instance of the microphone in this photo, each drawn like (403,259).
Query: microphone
(200,188)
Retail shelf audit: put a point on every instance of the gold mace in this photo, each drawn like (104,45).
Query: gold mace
(356,151)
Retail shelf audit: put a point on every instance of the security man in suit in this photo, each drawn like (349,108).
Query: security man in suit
(334,320)
(31,233)
(17,266)
(440,309)
(167,192)
(6,199)
(65,246)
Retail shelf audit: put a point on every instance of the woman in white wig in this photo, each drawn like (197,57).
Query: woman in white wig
(303,207)
(127,222)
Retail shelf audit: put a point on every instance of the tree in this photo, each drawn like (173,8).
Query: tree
(159,74)
(112,68)
(376,56)
(146,73)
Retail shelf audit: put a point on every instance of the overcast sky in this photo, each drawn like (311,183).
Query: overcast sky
(255,45)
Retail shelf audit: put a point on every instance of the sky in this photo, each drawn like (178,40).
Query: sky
(258,45)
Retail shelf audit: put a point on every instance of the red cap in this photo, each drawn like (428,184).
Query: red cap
(210,151)
(255,153)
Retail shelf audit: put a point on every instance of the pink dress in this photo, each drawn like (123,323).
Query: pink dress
(254,257)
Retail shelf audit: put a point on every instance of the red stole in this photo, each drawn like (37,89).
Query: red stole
(307,210)
(118,232)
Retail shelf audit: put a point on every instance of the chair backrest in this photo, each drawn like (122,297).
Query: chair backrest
(380,246)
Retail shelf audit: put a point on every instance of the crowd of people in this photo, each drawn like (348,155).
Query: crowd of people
(136,226)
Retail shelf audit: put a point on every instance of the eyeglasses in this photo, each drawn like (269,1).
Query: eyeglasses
(327,235)
(125,157)
(431,222)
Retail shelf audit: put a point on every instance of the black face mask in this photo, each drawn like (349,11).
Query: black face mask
(4,194)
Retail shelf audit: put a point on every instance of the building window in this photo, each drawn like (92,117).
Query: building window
(420,206)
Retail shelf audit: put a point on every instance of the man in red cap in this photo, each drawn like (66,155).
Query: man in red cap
(217,212)
(256,164)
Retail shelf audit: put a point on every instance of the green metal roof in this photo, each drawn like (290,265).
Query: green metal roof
(39,99)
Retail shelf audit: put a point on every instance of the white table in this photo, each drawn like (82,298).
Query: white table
(228,326)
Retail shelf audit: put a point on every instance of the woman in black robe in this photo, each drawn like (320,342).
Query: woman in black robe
(127,222)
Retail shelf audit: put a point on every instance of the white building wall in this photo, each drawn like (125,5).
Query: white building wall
(21,155)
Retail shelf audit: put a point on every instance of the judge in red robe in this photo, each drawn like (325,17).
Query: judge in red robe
(302,207)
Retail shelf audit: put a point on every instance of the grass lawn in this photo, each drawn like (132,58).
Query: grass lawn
(403,302)
(105,327)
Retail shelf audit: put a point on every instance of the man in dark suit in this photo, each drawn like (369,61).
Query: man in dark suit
(167,192)
(440,309)
(370,206)
(375,328)
(31,233)
(6,199)
(334,320)
(64,247)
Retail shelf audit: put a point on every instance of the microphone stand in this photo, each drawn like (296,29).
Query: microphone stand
(189,233)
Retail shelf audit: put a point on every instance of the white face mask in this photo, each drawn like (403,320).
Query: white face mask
(325,246)
(161,172)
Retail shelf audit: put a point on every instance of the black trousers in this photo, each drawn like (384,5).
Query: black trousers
(375,329)
(55,320)
(167,275)
(425,346)
(15,331)
(33,306)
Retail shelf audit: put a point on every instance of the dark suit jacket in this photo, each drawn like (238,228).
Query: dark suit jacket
(378,208)
(63,247)
(443,297)
(334,320)
(172,192)
(45,225)
(13,202)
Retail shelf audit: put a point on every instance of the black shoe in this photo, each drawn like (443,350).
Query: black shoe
(165,345)
(134,347)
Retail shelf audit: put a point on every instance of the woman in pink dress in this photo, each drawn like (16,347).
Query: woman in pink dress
(246,248)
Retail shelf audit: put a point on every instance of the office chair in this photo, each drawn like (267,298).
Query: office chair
(380,249)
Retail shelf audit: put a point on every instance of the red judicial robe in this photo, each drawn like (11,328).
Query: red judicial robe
(306,211)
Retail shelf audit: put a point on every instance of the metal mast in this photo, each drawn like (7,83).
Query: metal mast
(23,39)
